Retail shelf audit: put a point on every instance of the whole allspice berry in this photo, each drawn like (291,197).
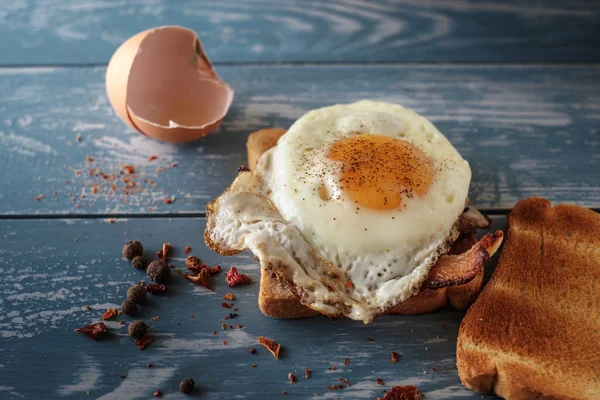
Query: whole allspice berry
(137,329)
(187,386)
(137,293)
(158,271)
(132,249)
(128,307)
(139,262)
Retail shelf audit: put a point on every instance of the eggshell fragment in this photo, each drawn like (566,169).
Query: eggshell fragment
(161,83)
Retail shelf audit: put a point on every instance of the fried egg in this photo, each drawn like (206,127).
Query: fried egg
(367,194)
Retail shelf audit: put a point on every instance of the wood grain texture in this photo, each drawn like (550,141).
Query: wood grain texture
(47,279)
(525,131)
(41,32)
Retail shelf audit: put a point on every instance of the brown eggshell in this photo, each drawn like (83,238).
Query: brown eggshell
(171,91)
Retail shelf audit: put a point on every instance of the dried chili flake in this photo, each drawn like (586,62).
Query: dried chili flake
(369,339)
(346,361)
(163,253)
(341,387)
(235,309)
(348,284)
(122,376)
(152,158)
(307,373)
(224,326)
(215,333)
(128,169)
(395,357)
(200,278)
(229,297)
(197,268)
(224,342)
(270,345)
(332,368)
(330,388)
(187,250)
(243,168)
(157,393)
(225,305)
(233,278)
(347,382)
(142,343)
(88,308)
(253,365)
(379,381)
(192,260)
(148,365)
(239,326)
(408,392)
(111,312)
(95,331)
(251,350)
(292,378)
(155,288)
(232,315)
(231,327)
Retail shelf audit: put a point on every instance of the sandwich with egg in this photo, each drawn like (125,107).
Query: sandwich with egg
(359,210)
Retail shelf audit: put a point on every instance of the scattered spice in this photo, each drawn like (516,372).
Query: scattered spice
(121,322)
(152,158)
(155,288)
(111,312)
(229,297)
(395,357)
(283,392)
(332,368)
(253,365)
(129,307)
(292,378)
(139,262)
(270,345)
(252,350)
(137,329)
(224,326)
(225,305)
(233,277)
(231,316)
(79,137)
(347,382)
(155,318)
(307,373)
(346,361)
(88,308)
(197,268)
(148,365)
(379,381)
(224,342)
(137,293)
(158,271)
(369,339)
(348,284)
(200,278)
(122,376)
(95,331)
(157,393)
(163,253)
(187,386)
(402,393)
(187,250)
(132,249)
(192,261)
(142,343)
(239,326)
(128,169)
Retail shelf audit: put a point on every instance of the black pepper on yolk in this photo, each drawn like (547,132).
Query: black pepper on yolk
(379,171)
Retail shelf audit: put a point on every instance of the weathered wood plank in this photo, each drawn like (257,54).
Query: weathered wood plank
(41,32)
(525,130)
(47,279)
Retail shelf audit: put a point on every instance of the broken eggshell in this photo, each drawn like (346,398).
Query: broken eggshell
(161,83)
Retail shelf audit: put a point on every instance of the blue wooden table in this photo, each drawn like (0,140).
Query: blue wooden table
(515,86)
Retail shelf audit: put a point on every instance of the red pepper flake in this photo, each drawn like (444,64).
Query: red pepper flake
(224,326)
(122,376)
(196,269)
(232,315)
(155,318)
(253,365)
(341,386)
(128,169)
(395,357)
(215,333)
(402,393)
(235,309)
(346,361)
(252,350)
(121,322)
(240,326)
(292,378)
(192,261)
(201,278)
(233,277)
(192,315)
(347,382)
(270,345)
(332,368)
(152,158)
(225,305)
(331,388)
(187,250)
(142,343)
(379,381)
(111,312)
(224,342)
(307,373)
(231,327)
(283,392)
(229,297)
(148,365)
(348,284)
(369,339)
(157,393)
(88,308)
(163,253)
(155,288)
(95,331)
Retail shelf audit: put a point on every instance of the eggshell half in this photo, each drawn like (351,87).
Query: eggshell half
(172,92)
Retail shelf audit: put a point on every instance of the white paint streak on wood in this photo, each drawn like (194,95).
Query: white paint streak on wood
(138,381)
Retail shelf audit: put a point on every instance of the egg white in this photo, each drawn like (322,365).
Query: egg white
(386,253)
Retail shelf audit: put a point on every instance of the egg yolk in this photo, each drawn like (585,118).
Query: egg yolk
(379,171)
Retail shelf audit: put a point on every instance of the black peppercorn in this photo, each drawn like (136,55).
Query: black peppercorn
(137,293)
(128,307)
(139,262)
(137,329)
(187,386)
(158,271)
(132,249)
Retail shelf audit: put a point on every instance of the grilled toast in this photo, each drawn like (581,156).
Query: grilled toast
(277,300)
(534,331)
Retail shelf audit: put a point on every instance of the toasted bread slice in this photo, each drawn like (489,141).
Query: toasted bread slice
(534,332)
(277,300)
